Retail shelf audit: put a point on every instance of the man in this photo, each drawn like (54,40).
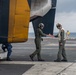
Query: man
(62,40)
(38,40)
(7,46)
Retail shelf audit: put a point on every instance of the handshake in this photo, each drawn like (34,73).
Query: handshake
(49,35)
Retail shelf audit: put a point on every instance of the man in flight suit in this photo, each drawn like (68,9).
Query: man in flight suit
(7,46)
(38,39)
(62,40)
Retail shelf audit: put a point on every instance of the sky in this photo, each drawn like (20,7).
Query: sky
(65,15)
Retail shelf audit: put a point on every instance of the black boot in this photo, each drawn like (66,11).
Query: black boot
(31,57)
(8,59)
(64,60)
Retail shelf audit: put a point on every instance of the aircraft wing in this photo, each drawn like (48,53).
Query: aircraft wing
(45,13)
(15,17)
(40,7)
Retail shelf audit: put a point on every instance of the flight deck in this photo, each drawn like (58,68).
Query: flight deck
(22,64)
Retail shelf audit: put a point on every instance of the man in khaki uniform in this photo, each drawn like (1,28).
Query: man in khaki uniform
(62,40)
(38,40)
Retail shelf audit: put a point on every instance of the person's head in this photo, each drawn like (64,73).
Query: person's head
(41,25)
(59,26)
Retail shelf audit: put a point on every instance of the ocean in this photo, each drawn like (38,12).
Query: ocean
(72,35)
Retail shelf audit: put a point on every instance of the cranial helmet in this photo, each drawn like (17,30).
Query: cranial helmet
(41,25)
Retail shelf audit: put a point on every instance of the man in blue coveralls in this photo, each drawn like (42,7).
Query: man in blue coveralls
(7,46)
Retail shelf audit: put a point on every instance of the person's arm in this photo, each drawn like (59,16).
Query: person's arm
(41,33)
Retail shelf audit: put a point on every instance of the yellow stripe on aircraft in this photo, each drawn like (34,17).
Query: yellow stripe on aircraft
(19,16)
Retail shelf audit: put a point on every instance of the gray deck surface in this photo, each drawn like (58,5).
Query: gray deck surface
(21,52)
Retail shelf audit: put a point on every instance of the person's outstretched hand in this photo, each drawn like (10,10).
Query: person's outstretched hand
(49,35)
